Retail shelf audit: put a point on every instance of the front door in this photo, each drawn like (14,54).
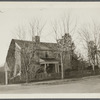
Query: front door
(50,68)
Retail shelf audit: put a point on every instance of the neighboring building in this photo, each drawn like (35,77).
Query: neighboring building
(41,60)
(2,74)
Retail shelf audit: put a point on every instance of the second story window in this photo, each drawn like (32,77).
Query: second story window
(46,54)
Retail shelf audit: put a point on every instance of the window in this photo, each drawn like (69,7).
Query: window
(46,54)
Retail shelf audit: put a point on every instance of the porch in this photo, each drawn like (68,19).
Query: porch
(50,65)
(50,69)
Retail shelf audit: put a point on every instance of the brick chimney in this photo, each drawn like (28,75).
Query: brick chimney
(37,39)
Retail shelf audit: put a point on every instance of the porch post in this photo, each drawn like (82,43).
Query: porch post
(45,69)
(55,68)
(58,67)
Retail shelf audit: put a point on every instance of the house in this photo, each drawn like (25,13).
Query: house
(35,60)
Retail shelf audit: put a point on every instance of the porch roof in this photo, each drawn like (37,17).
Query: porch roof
(48,61)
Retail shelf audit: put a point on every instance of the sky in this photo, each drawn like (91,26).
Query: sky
(14,14)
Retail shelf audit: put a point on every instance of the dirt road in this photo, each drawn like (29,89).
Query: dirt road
(85,85)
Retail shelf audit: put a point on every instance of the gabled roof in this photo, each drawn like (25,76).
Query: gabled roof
(43,45)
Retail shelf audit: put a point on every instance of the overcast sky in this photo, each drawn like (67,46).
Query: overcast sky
(14,14)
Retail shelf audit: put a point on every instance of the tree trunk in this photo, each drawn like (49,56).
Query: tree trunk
(27,76)
(62,69)
(97,60)
(93,66)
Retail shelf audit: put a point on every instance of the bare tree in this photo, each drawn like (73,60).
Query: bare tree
(66,24)
(62,28)
(27,59)
(36,27)
(20,33)
(90,37)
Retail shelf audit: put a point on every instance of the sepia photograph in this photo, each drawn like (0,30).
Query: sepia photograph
(49,48)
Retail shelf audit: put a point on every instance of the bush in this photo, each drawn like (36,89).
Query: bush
(67,70)
(89,68)
(96,67)
(40,71)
